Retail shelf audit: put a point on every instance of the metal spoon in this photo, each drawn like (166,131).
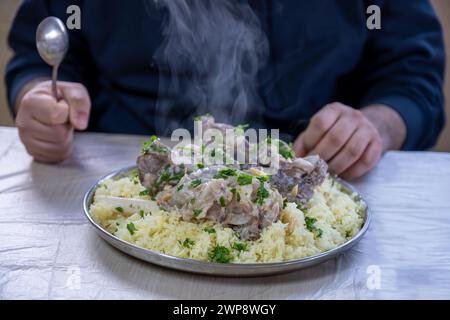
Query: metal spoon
(52,42)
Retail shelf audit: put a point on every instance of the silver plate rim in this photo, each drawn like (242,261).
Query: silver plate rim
(218,269)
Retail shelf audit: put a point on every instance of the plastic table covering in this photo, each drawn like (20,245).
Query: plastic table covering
(48,249)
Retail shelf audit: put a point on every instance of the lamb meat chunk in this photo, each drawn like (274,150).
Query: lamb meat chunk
(296,179)
(240,145)
(152,162)
(156,169)
(218,194)
(208,122)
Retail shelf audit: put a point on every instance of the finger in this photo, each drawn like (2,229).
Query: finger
(51,134)
(299,147)
(51,159)
(79,104)
(49,152)
(319,125)
(46,110)
(44,151)
(367,161)
(335,139)
(351,152)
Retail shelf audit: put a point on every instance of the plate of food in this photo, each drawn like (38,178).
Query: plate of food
(227,219)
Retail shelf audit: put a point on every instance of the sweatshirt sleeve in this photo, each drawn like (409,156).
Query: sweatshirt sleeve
(404,67)
(26,64)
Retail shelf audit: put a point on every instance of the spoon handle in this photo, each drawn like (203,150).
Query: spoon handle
(54,79)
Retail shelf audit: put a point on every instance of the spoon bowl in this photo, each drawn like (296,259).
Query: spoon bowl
(52,40)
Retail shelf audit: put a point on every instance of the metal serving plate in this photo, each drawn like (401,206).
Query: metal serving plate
(218,269)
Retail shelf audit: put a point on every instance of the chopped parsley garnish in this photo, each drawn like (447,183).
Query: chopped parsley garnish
(209,230)
(220,254)
(188,243)
(195,183)
(318,232)
(145,192)
(263,178)
(158,149)
(225,173)
(200,165)
(241,128)
(285,150)
(197,212)
(119,209)
(147,144)
(236,193)
(240,246)
(261,194)
(134,173)
(176,177)
(197,118)
(141,213)
(192,201)
(310,225)
(167,176)
(244,179)
(222,201)
(150,145)
(131,228)
(180,187)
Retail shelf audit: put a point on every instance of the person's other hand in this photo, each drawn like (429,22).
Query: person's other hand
(45,125)
(344,137)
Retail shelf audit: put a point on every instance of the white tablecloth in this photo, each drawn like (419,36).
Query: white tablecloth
(49,250)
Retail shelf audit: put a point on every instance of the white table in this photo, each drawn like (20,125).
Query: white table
(49,250)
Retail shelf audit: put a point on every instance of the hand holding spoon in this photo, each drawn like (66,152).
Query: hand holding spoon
(52,42)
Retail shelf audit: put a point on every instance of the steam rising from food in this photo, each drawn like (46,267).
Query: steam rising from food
(211,53)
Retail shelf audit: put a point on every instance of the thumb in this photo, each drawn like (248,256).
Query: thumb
(77,97)
(299,146)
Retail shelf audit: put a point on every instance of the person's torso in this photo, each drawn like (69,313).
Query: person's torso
(314,46)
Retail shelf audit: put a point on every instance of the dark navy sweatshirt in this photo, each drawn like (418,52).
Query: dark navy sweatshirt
(320,51)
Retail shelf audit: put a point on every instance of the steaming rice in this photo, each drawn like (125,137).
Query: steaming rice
(332,219)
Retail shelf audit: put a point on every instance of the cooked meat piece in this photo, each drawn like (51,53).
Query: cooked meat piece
(208,122)
(238,147)
(156,168)
(218,194)
(297,179)
(152,163)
